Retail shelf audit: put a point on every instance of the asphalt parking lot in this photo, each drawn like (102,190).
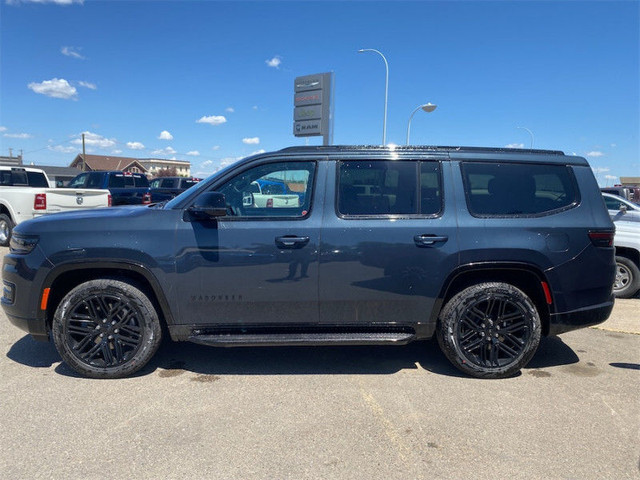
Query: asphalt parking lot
(349,412)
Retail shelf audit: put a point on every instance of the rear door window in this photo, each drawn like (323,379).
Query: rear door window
(117,181)
(381,188)
(517,189)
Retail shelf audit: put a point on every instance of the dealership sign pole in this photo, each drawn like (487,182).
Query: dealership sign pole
(313,106)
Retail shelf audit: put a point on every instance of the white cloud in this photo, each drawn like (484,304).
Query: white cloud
(255,107)
(598,170)
(595,154)
(258,151)
(117,152)
(229,110)
(91,86)
(17,135)
(206,163)
(274,62)
(215,147)
(3,129)
(164,151)
(225,162)
(614,145)
(62,149)
(95,140)
(164,135)
(135,145)
(515,145)
(72,52)
(251,141)
(193,153)
(56,88)
(610,177)
(213,120)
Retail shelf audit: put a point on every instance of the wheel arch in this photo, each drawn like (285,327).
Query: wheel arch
(527,278)
(63,279)
(630,253)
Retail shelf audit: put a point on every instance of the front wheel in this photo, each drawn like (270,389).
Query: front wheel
(6,227)
(489,330)
(106,328)
(627,281)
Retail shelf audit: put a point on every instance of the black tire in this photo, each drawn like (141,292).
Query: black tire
(106,328)
(489,330)
(627,281)
(6,227)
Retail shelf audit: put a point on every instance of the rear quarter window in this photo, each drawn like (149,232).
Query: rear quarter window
(517,189)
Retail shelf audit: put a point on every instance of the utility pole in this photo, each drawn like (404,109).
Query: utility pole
(84,162)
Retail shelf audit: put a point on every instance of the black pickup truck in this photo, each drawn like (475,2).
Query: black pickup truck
(165,188)
(126,188)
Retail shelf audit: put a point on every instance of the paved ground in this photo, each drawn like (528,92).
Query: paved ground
(352,413)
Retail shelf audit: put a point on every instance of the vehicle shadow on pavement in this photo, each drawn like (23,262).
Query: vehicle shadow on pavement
(175,357)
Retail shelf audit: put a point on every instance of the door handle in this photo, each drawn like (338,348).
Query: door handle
(428,240)
(291,241)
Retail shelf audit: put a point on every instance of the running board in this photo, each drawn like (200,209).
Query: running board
(299,339)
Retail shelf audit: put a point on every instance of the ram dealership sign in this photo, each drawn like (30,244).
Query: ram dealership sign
(313,106)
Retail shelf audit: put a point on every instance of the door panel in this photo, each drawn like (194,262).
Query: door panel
(257,265)
(387,267)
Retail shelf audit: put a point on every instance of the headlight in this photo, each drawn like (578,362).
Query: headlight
(22,244)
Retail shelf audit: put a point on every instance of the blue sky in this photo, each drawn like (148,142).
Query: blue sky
(217,77)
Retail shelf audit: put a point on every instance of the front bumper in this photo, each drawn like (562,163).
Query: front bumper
(581,318)
(24,277)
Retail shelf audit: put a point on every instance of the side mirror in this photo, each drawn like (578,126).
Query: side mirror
(209,205)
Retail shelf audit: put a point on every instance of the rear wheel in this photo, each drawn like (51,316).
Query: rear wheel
(489,330)
(106,328)
(627,281)
(6,227)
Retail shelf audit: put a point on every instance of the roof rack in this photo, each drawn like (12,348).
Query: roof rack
(421,148)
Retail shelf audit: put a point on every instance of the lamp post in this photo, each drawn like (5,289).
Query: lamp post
(386,91)
(427,107)
(530,133)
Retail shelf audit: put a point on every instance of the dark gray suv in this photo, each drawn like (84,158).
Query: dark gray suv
(488,249)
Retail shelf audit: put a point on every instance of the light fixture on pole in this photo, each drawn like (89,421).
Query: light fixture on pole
(530,133)
(427,107)
(386,91)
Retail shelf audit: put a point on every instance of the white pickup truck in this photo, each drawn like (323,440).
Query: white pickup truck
(26,193)
(626,217)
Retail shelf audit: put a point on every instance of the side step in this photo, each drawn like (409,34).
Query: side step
(299,339)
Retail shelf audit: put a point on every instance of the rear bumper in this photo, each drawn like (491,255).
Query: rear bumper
(581,318)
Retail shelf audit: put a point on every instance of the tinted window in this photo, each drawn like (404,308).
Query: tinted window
(5,177)
(517,189)
(155,183)
(94,180)
(117,181)
(141,181)
(37,179)
(244,199)
(19,177)
(612,204)
(188,183)
(79,181)
(389,188)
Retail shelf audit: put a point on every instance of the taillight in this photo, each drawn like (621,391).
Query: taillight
(270,203)
(109,201)
(40,201)
(602,239)
(146,199)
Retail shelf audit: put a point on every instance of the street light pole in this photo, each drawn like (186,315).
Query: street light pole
(386,91)
(530,133)
(427,107)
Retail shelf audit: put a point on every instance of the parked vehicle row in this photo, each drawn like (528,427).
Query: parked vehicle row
(487,249)
(166,188)
(25,193)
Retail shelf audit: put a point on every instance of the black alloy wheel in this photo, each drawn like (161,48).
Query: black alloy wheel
(489,330)
(106,329)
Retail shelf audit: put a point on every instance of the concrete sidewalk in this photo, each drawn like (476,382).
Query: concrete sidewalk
(624,318)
